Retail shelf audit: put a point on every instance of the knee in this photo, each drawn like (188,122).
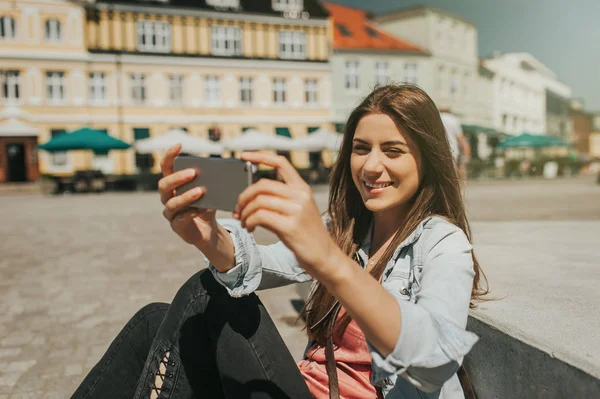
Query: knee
(201,283)
(155,309)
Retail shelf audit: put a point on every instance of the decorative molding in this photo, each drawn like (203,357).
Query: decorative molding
(180,119)
(242,17)
(45,56)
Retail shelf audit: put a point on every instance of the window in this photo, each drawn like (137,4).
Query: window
(279,95)
(224,3)
(371,32)
(344,30)
(311,91)
(97,87)
(410,73)
(55,87)
(154,36)
(292,45)
(212,90)
(11,86)
(439,79)
(52,30)
(288,5)
(8,28)
(382,74)
(58,158)
(144,162)
(226,40)
(138,88)
(352,81)
(176,89)
(453,82)
(465,84)
(246,90)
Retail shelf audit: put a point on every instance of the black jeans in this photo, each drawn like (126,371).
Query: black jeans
(219,347)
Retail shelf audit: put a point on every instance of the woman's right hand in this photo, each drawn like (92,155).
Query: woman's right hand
(195,226)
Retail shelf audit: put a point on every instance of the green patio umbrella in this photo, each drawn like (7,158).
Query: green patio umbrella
(527,140)
(84,139)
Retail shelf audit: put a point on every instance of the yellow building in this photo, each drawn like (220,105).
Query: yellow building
(139,68)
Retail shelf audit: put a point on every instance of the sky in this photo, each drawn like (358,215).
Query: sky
(564,35)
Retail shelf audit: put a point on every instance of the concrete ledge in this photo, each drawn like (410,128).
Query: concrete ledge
(503,366)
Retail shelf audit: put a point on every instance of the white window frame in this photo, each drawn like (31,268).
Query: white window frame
(53,30)
(410,73)
(223,3)
(153,36)
(382,73)
(351,75)
(311,91)
(292,45)
(11,90)
(246,90)
(279,91)
(59,160)
(176,88)
(287,5)
(226,40)
(97,86)
(8,26)
(465,84)
(139,93)
(212,90)
(55,87)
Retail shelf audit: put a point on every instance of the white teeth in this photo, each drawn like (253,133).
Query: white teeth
(377,185)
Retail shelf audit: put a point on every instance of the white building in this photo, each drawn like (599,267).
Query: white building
(451,72)
(521,83)
(365,56)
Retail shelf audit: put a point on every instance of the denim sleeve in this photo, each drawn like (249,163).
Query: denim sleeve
(433,338)
(256,267)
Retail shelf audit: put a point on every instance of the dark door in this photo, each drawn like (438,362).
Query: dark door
(17,170)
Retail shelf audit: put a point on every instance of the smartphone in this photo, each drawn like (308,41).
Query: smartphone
(223,178)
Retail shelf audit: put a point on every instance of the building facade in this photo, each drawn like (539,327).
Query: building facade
(581,122)
(365,56)
(450,74)
(137,69)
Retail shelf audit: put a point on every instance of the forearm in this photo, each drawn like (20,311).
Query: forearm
(374,309)
(220,249)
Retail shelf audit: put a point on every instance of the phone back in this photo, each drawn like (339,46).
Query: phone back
(224,180)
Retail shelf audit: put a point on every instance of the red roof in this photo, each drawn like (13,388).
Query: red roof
(353,30)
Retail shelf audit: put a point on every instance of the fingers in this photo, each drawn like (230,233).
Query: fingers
(271,203)
(263,186)
(178,203)
(278,162)
(166,163)
(267,219)
(168,184)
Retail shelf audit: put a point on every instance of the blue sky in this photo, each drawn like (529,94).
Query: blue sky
(564,35)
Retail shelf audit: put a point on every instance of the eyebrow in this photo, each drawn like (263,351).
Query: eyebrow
(393,142)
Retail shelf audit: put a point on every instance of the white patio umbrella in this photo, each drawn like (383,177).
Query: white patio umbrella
(319,140)
(253,140)
(189,144)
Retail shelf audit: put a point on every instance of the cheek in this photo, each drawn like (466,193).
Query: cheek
(355,168)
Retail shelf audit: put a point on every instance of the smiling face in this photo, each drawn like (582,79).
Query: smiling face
(385,164)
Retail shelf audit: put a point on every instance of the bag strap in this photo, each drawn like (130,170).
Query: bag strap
(465,383)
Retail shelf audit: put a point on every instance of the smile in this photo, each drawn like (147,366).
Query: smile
(377,185)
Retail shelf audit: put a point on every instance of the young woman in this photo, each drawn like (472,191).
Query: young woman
(392,262)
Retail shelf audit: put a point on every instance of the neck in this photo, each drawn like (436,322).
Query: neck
(386,225)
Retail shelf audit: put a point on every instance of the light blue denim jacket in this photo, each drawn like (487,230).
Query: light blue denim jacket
(430,275)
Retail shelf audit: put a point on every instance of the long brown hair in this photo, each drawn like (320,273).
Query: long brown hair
(413,111)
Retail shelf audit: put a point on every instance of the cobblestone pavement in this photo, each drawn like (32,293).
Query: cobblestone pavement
(75,268)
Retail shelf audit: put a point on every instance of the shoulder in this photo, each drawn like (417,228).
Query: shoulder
(441,236)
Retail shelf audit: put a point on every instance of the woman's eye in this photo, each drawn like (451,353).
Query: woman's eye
(360,148)
(394,151)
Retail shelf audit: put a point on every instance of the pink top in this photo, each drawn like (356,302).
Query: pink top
(353,362)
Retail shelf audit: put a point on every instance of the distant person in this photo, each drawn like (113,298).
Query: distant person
(392,263)
(459,145)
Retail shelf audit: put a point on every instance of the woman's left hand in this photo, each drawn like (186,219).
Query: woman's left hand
(288,209)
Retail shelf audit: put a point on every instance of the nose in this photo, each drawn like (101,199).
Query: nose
(373,165)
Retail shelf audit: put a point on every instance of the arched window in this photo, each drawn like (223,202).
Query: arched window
(53,32)
(8,27)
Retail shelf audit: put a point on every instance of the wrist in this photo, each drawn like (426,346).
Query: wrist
(341,269)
